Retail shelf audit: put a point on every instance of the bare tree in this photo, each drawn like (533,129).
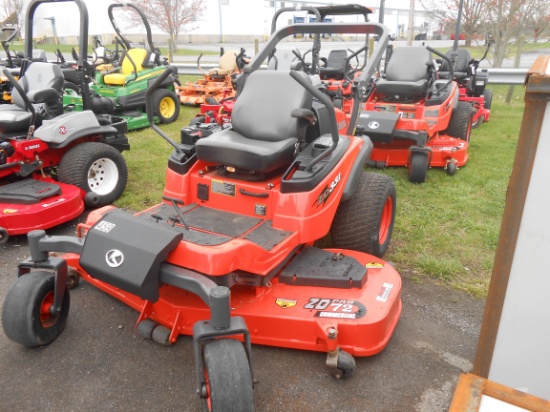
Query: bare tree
(539,19)
(446,12)
(171,16)
(505,20)
(11,12)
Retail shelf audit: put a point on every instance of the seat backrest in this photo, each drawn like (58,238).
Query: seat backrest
(408,64)
(39,76)
(263,110)
(462,60)
(138,57)
(337,60)
(228,61)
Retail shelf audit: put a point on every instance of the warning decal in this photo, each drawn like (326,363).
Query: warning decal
(286,303)
(384,292)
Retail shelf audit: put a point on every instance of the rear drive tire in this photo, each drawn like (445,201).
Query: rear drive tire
(95,167)
(365,222)
(477,123)
(166,106)
(487,99)
(460,125)
(26,316)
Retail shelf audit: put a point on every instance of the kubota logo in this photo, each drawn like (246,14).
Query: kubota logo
(374,125)
(114,258)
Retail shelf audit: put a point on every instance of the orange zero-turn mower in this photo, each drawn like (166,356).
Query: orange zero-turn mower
(217,84)
(228,255)
(414,119)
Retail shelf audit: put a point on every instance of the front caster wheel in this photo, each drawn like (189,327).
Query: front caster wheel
(27,316)
(451,168)
(228,378)
(346,364)
(418,168)
(341,364)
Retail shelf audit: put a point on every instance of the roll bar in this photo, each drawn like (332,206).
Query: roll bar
(83,40)
(143,18)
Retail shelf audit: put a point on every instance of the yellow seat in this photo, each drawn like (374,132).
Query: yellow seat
(228,64)
(126,72)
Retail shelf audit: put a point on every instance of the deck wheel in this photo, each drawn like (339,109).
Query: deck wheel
(345,364)
(161,334)
(145,328)
(73,278)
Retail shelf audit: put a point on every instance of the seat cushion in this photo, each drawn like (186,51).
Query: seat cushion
(14,119)
(395,88)
(127,72)
(232,149)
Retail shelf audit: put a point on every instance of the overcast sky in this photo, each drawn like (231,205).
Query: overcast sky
(67,22)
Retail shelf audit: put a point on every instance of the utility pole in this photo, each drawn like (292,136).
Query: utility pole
(381,12)
(411,24)
(54,29)
(457,27)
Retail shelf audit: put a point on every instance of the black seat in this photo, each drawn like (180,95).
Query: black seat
(407,73)
(336,65)
(43,84)
(264,132)
(461,64)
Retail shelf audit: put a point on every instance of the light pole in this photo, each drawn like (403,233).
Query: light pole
(457,27)
(54,29)
(221,27)
(411,24)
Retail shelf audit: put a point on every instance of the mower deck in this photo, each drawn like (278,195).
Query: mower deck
(286,315)
(443,149)
(195,94)
(32,204)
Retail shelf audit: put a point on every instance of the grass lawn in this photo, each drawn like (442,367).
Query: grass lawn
(446,229)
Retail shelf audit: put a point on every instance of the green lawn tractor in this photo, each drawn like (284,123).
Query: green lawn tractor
(121,86)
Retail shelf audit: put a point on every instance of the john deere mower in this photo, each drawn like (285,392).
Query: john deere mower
(125,84)
(52,163)
(227,256)
(414,119)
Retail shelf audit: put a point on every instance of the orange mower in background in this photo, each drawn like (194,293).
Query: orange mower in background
(339,68)
(217,84)
(414,119)
(228,256)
